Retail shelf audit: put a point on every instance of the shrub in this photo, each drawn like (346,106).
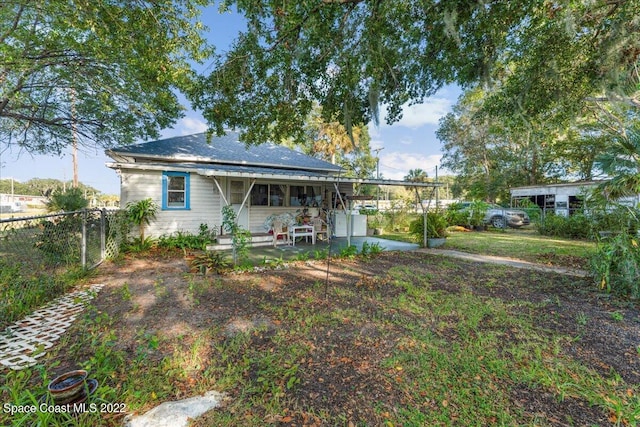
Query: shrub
(455,215)
(349,252)
(211,261)
(616,265)
(370,249)
(69,200)
(619,219)
(398,217)
(436,227)
(185,240)
(577,226)
(141,213)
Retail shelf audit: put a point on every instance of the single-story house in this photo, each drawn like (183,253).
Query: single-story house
(191,178)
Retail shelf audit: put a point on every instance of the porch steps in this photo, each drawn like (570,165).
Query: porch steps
(225,241)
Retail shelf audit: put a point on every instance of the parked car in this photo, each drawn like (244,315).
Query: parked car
(500,217)
(368,207)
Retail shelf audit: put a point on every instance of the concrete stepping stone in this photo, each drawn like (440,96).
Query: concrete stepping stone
(176,413)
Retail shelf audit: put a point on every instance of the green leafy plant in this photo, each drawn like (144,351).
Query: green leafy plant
(321,253)
(303,256)
(477,211)
(71,199)
(22,291)
(456,215)
(436,227)
(137,245)
(125,292)
(184,240)
(240,236)
(370,249)
(616,265)
(274,263)
(141,213)
(349,252)
(211,261)
(617,316)
(577,226)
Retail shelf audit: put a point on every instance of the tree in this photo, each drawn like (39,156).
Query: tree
(621,162)
(492,152)
(104,72)
(331,142)
(141,213)
(542,59)
(69,200)
(416,175)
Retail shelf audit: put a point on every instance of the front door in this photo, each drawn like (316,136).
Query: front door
(237,193)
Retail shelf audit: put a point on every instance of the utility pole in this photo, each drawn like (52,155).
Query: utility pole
(75,138)
(437,201)
(377,151)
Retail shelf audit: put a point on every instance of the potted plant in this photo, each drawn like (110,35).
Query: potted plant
(477,212)
(436,229)
(374,224)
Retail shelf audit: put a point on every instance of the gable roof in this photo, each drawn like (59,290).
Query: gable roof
(226,149)
(227,156)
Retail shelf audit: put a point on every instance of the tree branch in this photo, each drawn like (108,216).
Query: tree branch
(341,1)
(14,26)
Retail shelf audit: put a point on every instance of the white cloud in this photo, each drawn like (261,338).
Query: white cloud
(376,143)
(396,165)
(414,116)
(190,126)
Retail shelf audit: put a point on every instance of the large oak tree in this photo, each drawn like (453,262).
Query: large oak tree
(541,58)
(104,71)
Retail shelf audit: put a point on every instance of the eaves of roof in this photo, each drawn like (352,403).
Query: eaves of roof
(241,171)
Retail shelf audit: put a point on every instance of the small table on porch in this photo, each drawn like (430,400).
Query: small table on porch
(305,230)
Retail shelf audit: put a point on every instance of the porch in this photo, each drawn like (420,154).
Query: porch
(336,245)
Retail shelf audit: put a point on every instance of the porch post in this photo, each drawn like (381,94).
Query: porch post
(224,199)
(246,197)
(347,212)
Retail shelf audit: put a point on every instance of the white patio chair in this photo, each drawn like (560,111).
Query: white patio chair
(321,228)
(278,231)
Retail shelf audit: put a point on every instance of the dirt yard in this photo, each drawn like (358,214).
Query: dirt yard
(339,377)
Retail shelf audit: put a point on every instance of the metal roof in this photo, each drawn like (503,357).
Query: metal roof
(245,171)
(226,149)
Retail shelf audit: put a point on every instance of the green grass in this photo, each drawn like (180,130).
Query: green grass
(453,357)
(525,244)
(522,244)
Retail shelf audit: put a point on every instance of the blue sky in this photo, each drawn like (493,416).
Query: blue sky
(408,144)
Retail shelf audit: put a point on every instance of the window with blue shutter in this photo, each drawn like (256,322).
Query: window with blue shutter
(175,190)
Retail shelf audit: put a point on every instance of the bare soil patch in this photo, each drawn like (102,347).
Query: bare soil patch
(342,375)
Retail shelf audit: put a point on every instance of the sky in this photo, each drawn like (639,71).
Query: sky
(410,143)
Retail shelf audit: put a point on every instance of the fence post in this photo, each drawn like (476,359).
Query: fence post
(83,249)
(103,234)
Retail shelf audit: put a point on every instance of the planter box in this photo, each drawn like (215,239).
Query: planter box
(436,242)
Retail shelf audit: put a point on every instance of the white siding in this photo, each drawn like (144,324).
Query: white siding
(205,204)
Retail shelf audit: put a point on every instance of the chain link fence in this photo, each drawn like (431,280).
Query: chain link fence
(37,252)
